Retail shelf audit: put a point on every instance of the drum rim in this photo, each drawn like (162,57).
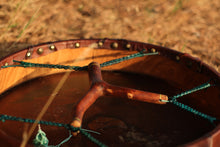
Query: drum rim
(121,44)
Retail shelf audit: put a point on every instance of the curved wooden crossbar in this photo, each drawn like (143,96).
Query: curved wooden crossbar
(179,69)
(100,88)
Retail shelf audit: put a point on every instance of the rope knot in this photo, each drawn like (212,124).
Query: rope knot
(40,139)
(73,129)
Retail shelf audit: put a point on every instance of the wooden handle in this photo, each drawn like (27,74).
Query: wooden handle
(100,88)
(134,94)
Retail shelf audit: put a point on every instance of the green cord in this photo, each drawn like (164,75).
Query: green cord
(200,87)
(3,118)
(64,141)
(28,64)
(41,136)
(78,68)
(185,107)
(173,100)
(115,61)
(40,139)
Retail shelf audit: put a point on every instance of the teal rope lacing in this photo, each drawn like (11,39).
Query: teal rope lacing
(64,141)
(78,68)
(115,61)
(3,118)
(41,139)
(28,64)
(200,87)
(188,108)
(172,99)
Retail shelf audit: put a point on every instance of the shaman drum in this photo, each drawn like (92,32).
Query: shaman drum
(107,92)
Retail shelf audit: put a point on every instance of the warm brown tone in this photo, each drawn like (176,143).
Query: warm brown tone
(184,25)
(179,70)
(100,88)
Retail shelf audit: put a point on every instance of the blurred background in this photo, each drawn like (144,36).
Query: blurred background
(190,26)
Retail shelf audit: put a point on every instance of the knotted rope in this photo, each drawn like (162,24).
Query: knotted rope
(172,99)
(85,132)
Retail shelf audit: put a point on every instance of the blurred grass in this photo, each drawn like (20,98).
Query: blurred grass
(26,26)
(178,5)
(188,26)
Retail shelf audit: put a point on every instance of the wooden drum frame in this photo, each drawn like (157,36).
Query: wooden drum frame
(180,70)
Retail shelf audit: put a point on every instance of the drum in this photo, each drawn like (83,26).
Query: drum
(107,92)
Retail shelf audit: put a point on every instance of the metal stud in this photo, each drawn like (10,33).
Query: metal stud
(28,54)
(115,45)
(40,50)
(52,47)
(128,46)
(77,45)
(178,58)
(100,43)
(153,50)
(6,64)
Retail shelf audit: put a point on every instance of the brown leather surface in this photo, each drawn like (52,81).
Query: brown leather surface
(185,60)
